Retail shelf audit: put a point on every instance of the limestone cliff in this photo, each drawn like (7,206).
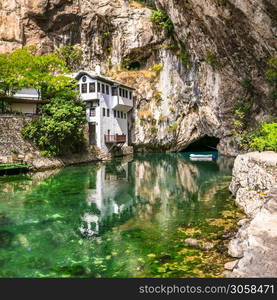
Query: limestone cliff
(254,184)
(199,67)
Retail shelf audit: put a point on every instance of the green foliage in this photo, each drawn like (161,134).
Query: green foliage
(211,59)
(271,73)
(241,113)
(262,139)
(24,68)
(185,58)
(157,97)
(172,109)
(168,47)
(14,151)
(173,127)
(160,19)
(157,68)
(58,130)
(247,84)
(271,78)
(71,55)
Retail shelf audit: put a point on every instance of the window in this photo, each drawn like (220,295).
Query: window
(107,90)
(92,87)
(103,88)
(130,95)
(118,114)
(84,88)
(92,112)
(125,116)
(108,112)
(120,92)
(98,87)
(114,91)
(122,115)
(114,113)
(84,78)
(104,112)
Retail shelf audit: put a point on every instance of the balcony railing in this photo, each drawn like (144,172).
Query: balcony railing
(115,138)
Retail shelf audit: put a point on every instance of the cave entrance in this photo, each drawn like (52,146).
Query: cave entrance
(203,144)
(134,66)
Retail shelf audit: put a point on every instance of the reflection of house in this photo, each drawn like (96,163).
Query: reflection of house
(108,104)
(26,101)
(111,199)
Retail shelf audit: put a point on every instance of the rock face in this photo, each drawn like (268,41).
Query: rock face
(255,186)
(215,45)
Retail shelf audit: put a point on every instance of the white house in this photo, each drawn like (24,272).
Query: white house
(108,105)
(25,100)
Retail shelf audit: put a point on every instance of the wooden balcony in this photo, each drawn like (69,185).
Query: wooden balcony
(111,139)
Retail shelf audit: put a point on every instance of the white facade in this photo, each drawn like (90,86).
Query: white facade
(108,104)
(110,197)
(25,101)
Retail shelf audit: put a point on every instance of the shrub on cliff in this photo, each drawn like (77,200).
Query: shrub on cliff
(58,130)
(262,139)
(71,55)
(160,19)
(271,78)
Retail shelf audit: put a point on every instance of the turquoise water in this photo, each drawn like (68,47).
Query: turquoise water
(126,218)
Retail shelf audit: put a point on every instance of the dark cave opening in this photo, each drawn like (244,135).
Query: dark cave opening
(203,144)
(135,66)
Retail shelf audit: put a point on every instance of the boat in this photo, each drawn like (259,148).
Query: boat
(202,156)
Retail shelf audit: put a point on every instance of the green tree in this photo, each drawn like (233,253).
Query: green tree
(71,55)
(25,68)
(58,130)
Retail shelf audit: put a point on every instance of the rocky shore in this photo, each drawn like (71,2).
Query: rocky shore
(254,185)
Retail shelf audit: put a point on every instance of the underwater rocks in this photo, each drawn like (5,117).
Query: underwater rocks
(199,244)
(255,186)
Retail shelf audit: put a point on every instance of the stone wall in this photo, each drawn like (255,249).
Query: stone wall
(11,141)
(14,149)
(254,184)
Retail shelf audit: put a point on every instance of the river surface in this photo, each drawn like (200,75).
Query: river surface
(126,218)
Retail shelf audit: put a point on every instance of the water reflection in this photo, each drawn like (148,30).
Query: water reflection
(151,187)
(103,219)
(111,196)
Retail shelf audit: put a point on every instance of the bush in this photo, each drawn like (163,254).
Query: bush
(185,58)
(173,127)
(157,68)
(211,59)
(162,20)
(265,138)
(262,139)
(58,130)
(71,55)
(271,78)
(241,113)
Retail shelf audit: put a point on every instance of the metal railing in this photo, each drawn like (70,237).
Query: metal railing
(115,138)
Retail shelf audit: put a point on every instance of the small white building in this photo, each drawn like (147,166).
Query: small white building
(108,104)
(25,101)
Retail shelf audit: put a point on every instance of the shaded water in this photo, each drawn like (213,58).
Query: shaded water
(120,219)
